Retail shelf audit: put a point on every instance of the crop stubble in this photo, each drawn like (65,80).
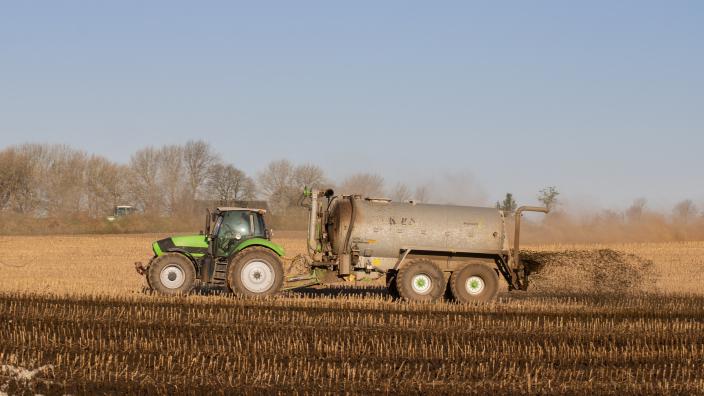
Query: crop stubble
(73,305)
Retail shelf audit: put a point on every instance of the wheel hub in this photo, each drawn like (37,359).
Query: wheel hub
(474,285)
(257,276)
(172,276)
(421,284)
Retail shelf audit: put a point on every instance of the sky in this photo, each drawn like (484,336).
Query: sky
(602,99)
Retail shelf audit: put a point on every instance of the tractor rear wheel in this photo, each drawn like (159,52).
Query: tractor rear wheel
(255,272)
(474,282)
(420,280)
(171,274)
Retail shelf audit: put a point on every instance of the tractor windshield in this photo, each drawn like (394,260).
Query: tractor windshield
(234,223)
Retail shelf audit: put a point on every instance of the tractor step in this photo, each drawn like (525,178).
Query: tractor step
(220,274)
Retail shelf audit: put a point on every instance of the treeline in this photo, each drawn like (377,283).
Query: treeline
(54,180)
(58,189)
(43,180)
(74,191)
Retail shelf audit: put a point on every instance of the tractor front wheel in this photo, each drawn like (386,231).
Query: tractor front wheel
(255,272)
(171,274)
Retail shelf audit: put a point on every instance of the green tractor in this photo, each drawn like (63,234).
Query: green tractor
(236,252)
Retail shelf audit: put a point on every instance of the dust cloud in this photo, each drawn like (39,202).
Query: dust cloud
(588,271)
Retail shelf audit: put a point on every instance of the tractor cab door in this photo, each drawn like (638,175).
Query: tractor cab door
(231,229)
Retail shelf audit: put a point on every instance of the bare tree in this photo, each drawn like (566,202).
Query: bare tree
(15,178)
(365,184)
(172,178)
(309,175)
(8,177)
(422,194)
(282,183)
(401,192)
(227,183)
(144,172)
(63,180)
(684,211)
(104,185)
(635,212)
(30,196)
(278,184)
(198,156)
(43,179)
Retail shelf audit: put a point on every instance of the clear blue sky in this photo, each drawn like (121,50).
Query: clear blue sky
(603,99)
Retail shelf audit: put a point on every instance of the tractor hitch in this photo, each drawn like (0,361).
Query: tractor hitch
(140,268)
(304,280)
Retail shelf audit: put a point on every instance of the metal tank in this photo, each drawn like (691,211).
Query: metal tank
(351,238)
(381,228)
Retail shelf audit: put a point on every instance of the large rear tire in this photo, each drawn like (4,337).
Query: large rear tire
(420,280)
(171,274)
(255,272)
(474,282)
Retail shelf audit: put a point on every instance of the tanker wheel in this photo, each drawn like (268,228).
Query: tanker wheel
(171,274)
(474,282)
(255,272)
(420,280)
(391,285)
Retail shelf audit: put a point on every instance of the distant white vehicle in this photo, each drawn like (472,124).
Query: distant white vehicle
(121,211)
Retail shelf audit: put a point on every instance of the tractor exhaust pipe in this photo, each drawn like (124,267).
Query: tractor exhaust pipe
(313,222)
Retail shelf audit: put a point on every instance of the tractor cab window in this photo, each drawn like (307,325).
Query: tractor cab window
(259,226)
(234,225)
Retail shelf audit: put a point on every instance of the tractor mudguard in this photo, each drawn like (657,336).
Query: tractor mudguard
(260,242)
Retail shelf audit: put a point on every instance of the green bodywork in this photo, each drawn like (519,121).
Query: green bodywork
(197,245)
(198,241)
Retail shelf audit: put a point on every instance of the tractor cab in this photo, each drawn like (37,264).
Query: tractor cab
(121,211)
(232,226)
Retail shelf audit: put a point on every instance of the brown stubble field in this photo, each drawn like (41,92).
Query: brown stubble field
(72,308)
(103,264)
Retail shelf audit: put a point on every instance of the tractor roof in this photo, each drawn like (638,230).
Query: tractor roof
(230,209)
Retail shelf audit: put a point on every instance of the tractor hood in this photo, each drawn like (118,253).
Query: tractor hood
(196,245)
